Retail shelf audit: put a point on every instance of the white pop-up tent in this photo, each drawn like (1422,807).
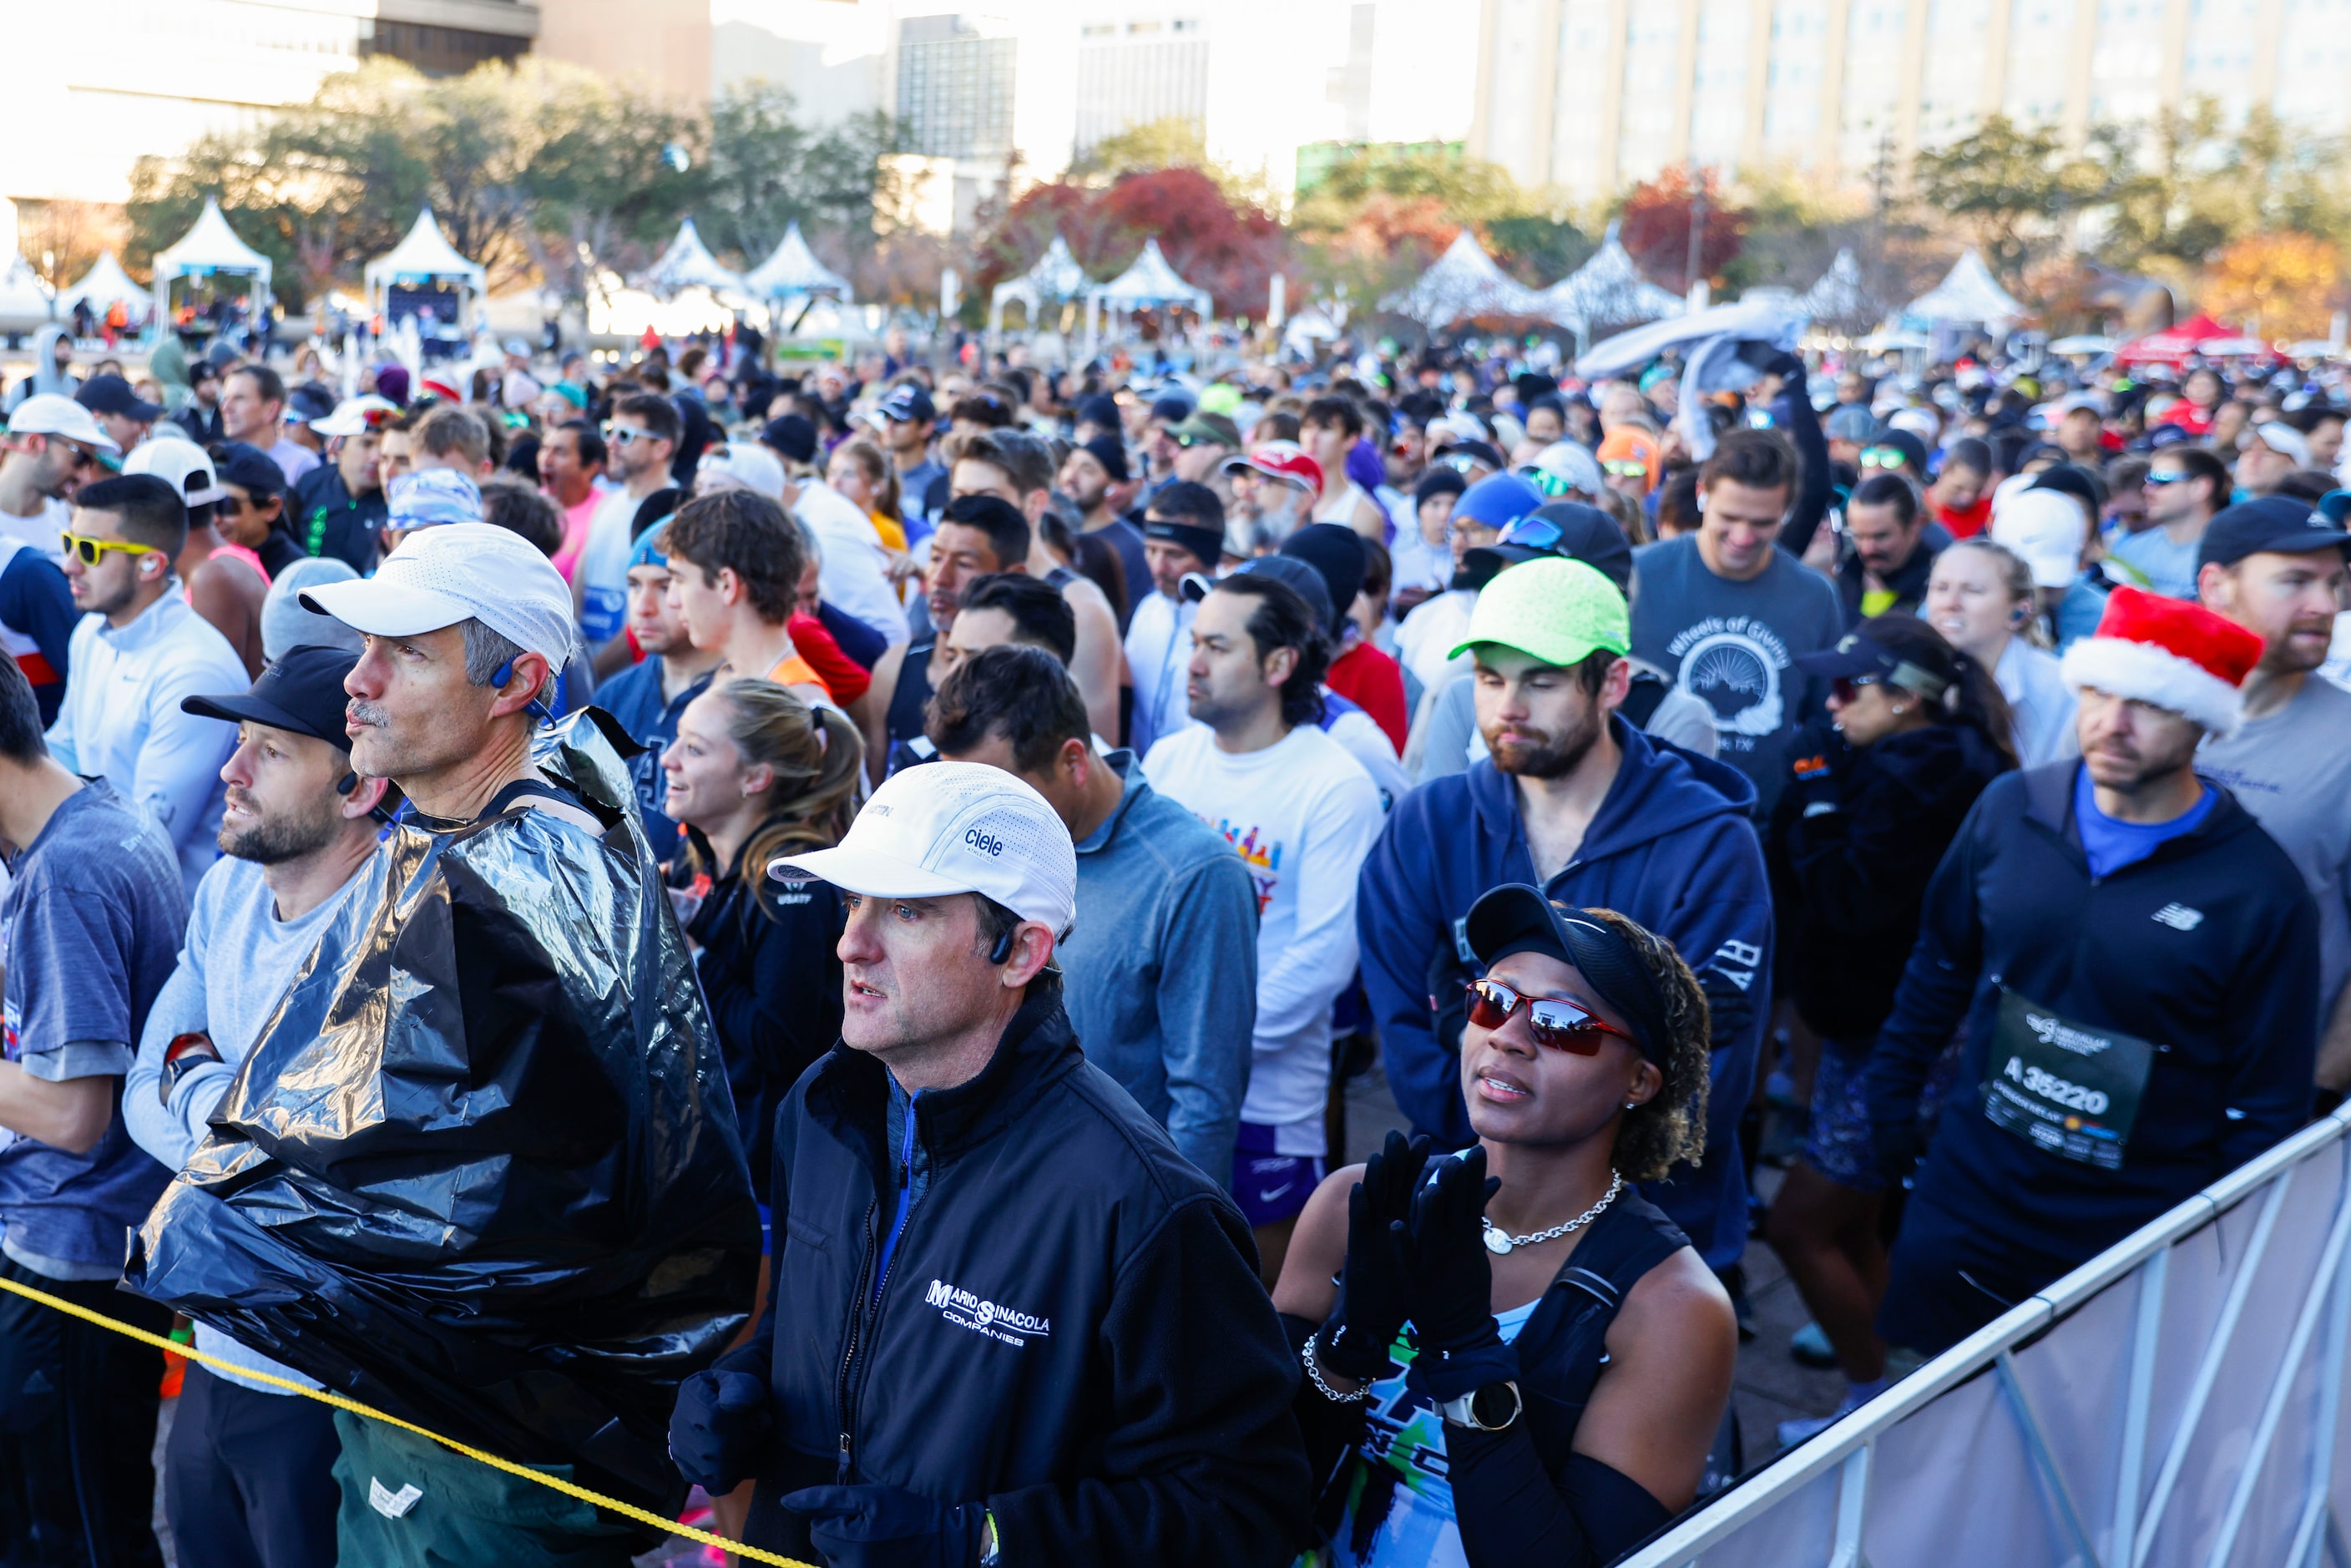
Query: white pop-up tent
(1464,282)
(688,265)
(1055,277)
(104,287)
(1836,298)
(424,274)
(1967,296)
(206,264)
(1607,290)
(794,270)
(1149,284)
(24,303)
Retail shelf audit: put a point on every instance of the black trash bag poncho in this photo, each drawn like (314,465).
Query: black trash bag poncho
(481,1169)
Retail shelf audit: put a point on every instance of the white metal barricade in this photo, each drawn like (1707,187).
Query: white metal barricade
(2174,1403)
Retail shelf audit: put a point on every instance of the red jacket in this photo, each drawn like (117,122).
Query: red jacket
(1373,682)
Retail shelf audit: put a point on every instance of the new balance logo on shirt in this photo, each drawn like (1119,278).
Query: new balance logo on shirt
(2179,917)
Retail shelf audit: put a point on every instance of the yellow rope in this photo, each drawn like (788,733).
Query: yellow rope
(568,1489)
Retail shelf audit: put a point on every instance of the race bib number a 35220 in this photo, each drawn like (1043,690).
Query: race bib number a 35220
(2069,1088)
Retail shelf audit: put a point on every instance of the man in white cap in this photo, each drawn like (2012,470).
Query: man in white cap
(52,446)
(517,1012)
(1017,1327)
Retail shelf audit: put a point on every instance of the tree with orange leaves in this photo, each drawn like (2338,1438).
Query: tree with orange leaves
(2285,283)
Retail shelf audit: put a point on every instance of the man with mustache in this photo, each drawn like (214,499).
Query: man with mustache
(2275,566)
(249,1467)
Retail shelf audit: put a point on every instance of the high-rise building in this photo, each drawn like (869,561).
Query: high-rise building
(956,75)
(1134,71)
(1589,96)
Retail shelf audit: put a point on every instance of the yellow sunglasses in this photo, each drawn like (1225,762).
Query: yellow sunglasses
(90,551)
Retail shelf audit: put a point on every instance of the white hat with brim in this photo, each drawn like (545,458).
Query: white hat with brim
(48,413)
(350,417)
(459,571)
(947,827)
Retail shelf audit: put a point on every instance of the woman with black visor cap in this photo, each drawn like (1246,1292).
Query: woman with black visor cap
(1531,1366)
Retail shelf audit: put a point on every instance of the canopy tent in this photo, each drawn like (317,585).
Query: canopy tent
(1607,290)
(1837,297)
(207,253)
(1462,283)
(1055,277)
(1149,283)
(2173,346)
(794,270)
(24,303)
(688,264)
(104,287)
(1968,295)
(2081,343)
(425,276)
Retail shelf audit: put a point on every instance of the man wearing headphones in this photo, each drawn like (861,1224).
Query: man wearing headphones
(248,1470)
(1017,1327)
(141,648)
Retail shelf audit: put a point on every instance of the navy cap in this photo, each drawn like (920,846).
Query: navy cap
(1568,529)
(2277,523)
(112,394)
(793,435)
(250,469)
(1100,409)
(1175,407)
(1300,578)
(301,691)
(309,402)
(908,405)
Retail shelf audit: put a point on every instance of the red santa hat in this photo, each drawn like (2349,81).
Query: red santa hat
(2166,652)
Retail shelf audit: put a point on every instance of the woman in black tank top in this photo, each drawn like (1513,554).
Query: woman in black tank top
(1529,1367)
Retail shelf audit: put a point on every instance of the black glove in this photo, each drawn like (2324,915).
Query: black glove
(888,1527)
(1898,1145)
(715,1432)
(1450,1283)
(1364,1321)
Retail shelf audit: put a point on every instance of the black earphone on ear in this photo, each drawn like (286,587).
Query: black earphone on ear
(1002,951)
(347,783)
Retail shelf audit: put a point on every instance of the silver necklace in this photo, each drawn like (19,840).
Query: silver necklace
(1502,1243)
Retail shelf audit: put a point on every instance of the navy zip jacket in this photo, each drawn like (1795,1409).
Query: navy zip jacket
(2208,949)
(1062,1320)
(1671,847)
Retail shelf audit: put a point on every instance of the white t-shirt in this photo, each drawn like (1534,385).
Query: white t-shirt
(854,576)
(1158,650)
(41,529)
(1303,815)
(1432,631)
(603,571)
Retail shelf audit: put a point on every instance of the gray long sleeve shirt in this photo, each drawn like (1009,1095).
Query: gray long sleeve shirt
(1160,969)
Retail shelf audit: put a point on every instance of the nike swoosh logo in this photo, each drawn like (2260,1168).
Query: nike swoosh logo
(1264,1196)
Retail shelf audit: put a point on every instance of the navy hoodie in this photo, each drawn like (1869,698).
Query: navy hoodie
(1671,847)
(2208,949)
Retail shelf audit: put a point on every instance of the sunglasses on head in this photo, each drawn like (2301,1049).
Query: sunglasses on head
(1460,463)
(1554,1021)
(1846,688)
(90,551)
(1535,533)
(1883,457)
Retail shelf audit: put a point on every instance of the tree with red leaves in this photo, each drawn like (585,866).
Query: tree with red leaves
(1655,227)
(1227,246)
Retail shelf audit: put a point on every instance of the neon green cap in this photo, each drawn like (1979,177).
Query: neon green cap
(1559,610)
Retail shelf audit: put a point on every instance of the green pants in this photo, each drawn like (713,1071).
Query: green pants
(407,1503)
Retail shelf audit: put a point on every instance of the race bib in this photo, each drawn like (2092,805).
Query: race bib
(2071,1089)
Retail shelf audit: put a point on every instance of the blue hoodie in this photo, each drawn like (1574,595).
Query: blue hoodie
(1671,847)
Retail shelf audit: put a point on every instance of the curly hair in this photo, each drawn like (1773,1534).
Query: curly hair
(1670,1126)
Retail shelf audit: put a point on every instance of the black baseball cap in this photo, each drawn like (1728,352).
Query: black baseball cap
(1568,529)
(908,405)
(301,690)
(112,394)
(250,469)
(1516,918)
(793,435)
(1288,569)
(309,402)
(1099,409)
(2276,523)
(1897,648)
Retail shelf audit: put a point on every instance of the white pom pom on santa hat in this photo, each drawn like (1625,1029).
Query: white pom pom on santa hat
(2169,654)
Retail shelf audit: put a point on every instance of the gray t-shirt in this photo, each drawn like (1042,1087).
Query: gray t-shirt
(1733,646)
(2291,769)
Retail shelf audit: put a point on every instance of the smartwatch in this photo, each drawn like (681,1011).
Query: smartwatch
(1490,1408)
(186,1053)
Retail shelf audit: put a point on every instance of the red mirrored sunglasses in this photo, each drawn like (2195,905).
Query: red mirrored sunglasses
(1555,1022)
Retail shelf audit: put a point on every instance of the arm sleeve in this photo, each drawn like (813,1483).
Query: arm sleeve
(63,748)
(171,1134)
(1207,1011)
(179,762)
(1307,976)
(2272,1010)
(1510,1512)
(1399,919)
(1936,983)
(1793,412)
(1203,1461)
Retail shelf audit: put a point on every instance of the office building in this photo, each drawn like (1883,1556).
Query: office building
(1137,71)
(1589,96)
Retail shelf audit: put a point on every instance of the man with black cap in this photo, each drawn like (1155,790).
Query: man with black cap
(249,1467)
(907,421)
(1095,479)
(1444,735)
(1358,672)
(1182,536)
(120,412)
(2275,566)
